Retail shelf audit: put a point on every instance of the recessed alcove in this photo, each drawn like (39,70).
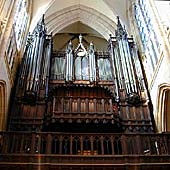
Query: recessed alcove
(72,32)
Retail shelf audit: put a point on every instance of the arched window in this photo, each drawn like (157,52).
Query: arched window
(20,21)
(163,116)
(149,38)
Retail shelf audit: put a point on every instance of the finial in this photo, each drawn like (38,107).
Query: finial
(69,47)
(43,18)
(118,20)
(91,46)
(70,43)
(91,43)
(80,38)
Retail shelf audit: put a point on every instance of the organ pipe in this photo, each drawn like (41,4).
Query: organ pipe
(130,65)
(46,66)
(138,68)
(34,72)
(69,62)
(115,69)
(126,59)
(36,62)
(92,63)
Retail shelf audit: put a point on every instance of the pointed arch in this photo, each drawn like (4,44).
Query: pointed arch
(3,98)
(88,16)
(163,106)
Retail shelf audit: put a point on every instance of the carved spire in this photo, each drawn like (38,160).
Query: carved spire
(41,26)
(91,48)
(80,38)
(80,46)
(120,32)
(70,46)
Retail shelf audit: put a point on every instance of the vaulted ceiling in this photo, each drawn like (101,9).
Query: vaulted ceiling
(99,15)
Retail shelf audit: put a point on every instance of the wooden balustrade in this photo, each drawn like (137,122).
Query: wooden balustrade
(77,105)
(87,109)
(84,144)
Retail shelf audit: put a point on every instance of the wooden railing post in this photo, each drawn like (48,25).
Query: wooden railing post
(138,144)
(13,143)
(33,143)
(60,140)
(102,145)
(81,145)
(124,145)
(4,142)
(91,142)
(22,143)
(112,145)
(71,144)
(49,140)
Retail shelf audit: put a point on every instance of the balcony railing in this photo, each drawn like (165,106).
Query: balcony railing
(84,144)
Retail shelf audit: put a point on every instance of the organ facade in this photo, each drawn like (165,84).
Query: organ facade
(81,89)
(81,108)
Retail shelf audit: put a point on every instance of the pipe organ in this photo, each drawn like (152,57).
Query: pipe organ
(81,89)
(34,72)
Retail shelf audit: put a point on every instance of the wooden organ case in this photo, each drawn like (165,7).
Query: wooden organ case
(81,90)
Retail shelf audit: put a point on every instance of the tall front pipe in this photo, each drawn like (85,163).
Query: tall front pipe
(115,71)
(69,62)
(92,63)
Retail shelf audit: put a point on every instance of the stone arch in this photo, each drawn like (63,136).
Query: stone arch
(88,16)
(3,103)
(163,106)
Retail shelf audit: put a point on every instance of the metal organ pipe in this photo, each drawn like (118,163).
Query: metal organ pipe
(69,62)
(138,69)
(24,66)
(92,63)
(39,58)
(118,65)
(123,61)
(34,72)
(46,66)
(126,59)
(128,64)
(45,62)
(35,64)
(32,64)
(131,68)
(115,69)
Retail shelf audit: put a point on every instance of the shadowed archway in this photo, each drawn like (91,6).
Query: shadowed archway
(3,98)
(163,114)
